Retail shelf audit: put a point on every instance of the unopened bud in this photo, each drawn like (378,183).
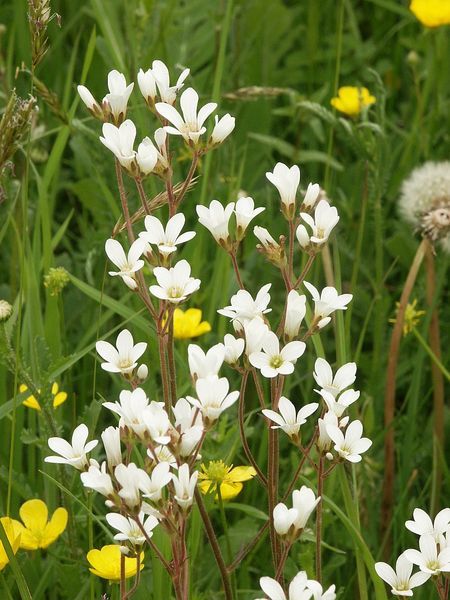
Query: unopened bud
(142,373)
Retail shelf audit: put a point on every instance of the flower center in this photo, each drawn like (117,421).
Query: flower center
(175,292)
(216,471)
(276,362)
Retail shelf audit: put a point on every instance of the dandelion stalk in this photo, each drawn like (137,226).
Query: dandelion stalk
(389,398)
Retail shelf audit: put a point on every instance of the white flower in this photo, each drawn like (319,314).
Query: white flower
(166,239)
(243,308)
(340,404)
(129,530)
(294,519)
(130,407)
(423,525)
(265,238)
(184,485)
(111,443)
(157,422)
(288,419)
(343,378)
(129,477)
(286,180)
(120,140)
(429,560)
(122,358)
(324,442)
(162,454)
(351,445)
(295,313)
(188,425)
(152,486)
(222,128)
(89,100)
(234,347)
(326,303)
(401,580)
(174,284)
(158,77)
(216,219)
(73,454)
(318,592)
(325,219)
(202,365)
(297,588)
(311,195)
(273,361)
(98,479)
(213,397)
(146,156)
(254,332)
(190,124)
(245,211)
(118,96)
(129,264)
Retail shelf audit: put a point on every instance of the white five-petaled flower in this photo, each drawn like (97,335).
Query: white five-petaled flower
(423,525)
(166,239)
(190,123)
(203,364)
(295,313)
(147,156)
(326,302)
(96,478)
(343,378)
(234,347)
(213,397)
(272,361)
(341,403)
(111,443)
(184,485)
(430,559)
(287,418)
(245,211)
(324,442)
(350,445)
(244,308)
(311,196)
(130,407)
(325,219)
(293,520)
(156,80)
(401,580)
(129,530)
(318,592)
(118,96)
(297,588)
(129,264)
(254,332)
(286,180)
(222,128)
(120,140)
(124,356)
(174,284)
(73,454)
(152,485)
(188,427)
(128,477)
(216,219)
(157,422)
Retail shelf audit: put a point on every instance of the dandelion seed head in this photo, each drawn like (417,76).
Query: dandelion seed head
(424,201)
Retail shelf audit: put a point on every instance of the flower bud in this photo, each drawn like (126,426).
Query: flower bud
(142,373)
(222,129)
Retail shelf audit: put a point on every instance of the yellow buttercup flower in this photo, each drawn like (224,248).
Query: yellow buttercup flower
(351,100)
(32,402)
(411,318)
(431,13)
(228,478)
(105,563)
(13,535)
(189,324)
(37,531)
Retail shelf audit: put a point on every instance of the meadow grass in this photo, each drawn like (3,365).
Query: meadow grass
(61,204)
